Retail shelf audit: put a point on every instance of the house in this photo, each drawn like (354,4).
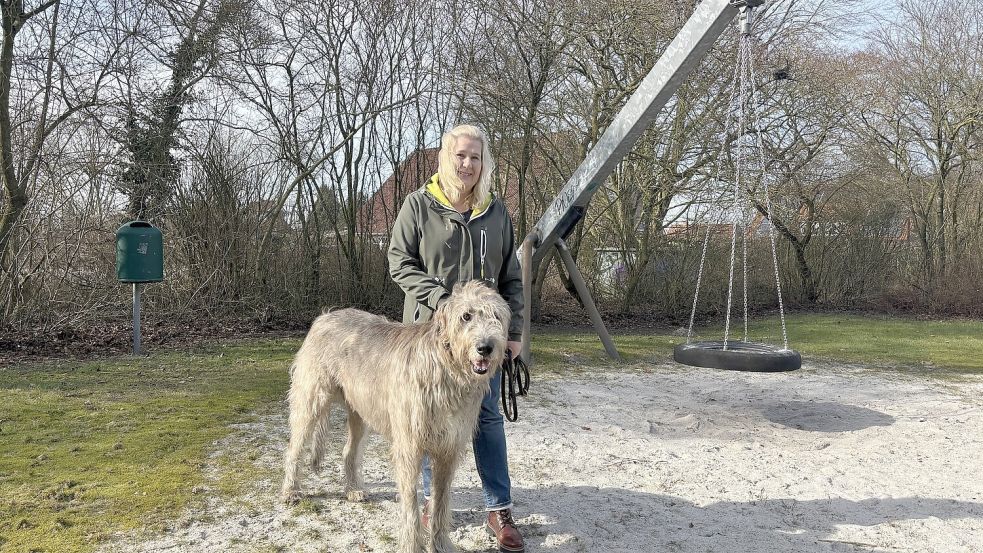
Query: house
(377,215)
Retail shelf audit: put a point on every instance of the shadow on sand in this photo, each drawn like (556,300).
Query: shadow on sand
(824,416)
(590,519)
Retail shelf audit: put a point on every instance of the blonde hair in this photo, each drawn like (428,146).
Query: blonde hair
(447,166)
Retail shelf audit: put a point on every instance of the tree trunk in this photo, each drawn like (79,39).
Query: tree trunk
(15,195)
(810,294)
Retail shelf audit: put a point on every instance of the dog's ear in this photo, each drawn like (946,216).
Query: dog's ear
(440,320)
(503,312)
(457,288)
(438,312)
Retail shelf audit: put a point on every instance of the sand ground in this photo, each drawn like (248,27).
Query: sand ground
(661,458)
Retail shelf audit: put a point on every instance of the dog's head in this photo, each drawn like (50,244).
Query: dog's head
(473,324)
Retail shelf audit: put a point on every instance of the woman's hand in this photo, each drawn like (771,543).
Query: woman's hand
(515,347)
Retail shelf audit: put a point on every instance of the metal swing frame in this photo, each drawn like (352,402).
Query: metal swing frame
(680,58)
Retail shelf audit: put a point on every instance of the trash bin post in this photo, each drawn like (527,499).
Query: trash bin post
(136,318)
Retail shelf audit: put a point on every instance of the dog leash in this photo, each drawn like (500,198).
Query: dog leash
(515,382)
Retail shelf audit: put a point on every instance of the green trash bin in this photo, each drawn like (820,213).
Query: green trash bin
(139,259)
(139,253)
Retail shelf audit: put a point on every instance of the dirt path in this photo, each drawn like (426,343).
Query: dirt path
(667,459)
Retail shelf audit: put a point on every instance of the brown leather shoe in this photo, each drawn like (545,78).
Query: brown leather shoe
(508,536)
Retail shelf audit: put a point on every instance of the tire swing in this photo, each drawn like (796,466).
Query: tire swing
(729,354)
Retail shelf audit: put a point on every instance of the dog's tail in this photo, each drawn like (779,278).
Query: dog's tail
(315,328)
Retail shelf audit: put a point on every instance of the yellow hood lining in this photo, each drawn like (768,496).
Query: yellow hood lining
(433,187)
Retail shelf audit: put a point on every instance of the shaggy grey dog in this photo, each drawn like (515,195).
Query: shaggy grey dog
(419,385)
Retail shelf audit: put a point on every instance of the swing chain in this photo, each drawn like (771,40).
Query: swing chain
(744,79)
(706,237)
(771,227)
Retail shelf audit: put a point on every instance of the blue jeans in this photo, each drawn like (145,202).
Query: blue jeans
(490,457)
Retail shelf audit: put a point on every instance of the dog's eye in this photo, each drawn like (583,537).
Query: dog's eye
(466,317)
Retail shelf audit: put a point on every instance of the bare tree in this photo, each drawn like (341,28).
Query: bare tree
(320,82)
(55,60)
(678,157)
(187,41)
(513,89)
(45,104)
(922,110)
(607,64)
(806,152)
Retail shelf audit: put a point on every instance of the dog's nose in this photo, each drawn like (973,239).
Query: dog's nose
(485,348)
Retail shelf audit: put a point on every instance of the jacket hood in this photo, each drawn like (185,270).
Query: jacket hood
(434,189)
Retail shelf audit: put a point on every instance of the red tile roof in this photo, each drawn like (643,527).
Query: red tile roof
(378,214)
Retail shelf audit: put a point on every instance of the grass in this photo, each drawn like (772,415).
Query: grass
(91,448)
(952,346)
(947,347)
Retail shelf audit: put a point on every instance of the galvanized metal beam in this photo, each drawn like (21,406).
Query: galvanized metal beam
(679,60)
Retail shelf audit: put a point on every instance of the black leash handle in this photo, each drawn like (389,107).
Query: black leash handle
(515,382)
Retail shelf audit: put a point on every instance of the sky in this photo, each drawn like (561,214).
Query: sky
(880,11)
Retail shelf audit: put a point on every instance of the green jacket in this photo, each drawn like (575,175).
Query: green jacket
(432,247)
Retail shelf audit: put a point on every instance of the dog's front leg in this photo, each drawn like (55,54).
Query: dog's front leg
(440,503)
(406,464)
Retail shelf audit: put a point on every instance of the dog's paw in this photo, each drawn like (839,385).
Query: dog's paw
(290,497)
(443,544)
(355,495)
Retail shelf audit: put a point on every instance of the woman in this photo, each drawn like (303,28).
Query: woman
(453,230)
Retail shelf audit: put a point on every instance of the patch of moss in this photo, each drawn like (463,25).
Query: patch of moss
(99,447)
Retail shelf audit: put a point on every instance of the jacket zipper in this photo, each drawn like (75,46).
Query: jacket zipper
(483,243)
(482,250)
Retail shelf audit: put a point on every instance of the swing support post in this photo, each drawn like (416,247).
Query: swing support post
(581,286)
